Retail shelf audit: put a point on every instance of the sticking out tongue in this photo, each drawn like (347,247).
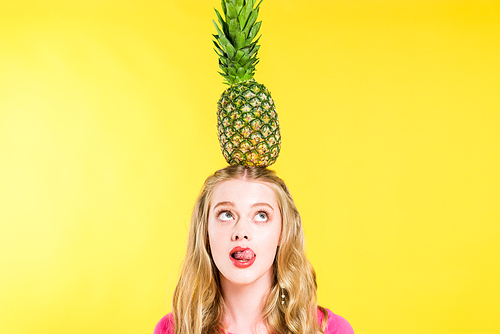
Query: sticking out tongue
(245,255)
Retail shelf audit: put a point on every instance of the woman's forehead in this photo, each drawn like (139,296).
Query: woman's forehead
(244,192)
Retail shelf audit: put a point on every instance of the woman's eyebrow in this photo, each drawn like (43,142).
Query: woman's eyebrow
(263,204)
(223,203)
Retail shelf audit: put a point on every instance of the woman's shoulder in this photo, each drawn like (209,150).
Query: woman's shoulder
(165,325)
(335,324)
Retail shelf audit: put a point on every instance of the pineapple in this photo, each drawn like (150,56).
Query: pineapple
(247,122)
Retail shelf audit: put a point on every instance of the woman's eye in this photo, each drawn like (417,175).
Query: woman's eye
(261,217)
(226,215)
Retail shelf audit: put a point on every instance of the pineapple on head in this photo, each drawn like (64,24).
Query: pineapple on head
(247,121)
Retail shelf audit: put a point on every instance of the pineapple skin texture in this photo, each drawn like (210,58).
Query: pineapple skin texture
(248,125)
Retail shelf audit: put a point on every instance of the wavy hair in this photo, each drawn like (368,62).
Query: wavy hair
(198,305)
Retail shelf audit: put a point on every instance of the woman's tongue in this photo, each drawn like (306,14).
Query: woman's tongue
(245,255)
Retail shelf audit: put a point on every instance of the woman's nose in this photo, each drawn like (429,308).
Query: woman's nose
(240,231)
(240,235)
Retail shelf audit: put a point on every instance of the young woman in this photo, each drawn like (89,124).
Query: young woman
(245,270)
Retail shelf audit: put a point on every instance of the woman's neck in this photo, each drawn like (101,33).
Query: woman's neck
(244,305)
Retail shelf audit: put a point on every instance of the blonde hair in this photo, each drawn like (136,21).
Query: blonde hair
(197,303)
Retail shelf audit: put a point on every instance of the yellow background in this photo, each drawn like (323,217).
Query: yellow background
(390,115)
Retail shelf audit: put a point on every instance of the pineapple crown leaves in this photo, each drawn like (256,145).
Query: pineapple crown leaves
(234,42)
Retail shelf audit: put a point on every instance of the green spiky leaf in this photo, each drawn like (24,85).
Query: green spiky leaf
(240,40)
(251,21)
(227,46)
(253,32)
(238,56)
(219,32)
(245,14)
(223,6)
(231,70)
(244,60)
(221,21)
(236,28)
(231,11)
(241,72)
(218,49)
(238,5)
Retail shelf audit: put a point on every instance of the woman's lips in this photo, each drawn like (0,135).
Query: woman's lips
(242,257)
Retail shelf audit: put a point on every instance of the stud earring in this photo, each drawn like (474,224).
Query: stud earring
(282,294)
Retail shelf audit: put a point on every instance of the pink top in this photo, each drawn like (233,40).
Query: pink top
(334,325)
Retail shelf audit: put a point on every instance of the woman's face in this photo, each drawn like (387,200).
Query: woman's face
(244,229)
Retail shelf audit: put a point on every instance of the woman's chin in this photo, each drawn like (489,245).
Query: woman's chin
(246,277)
